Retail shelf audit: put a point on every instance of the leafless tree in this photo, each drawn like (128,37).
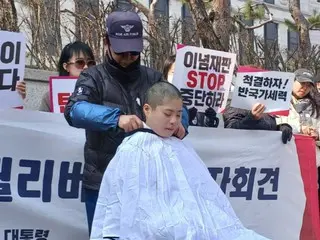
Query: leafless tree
(215,27)
(160,38)
(90,24)
(303,30)
(8,16)
(41,19)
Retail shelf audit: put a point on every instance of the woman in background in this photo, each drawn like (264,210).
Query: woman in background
(74,58)
(168,68)
(304,114)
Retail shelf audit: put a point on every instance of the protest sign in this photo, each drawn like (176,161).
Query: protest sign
(12,64)
(40,181)
(61,89)
(203,77)
(273,89)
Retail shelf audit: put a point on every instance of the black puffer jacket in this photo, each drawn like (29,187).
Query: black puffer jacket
(101,95)
(243,119)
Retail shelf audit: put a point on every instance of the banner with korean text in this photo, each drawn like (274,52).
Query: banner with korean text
(12,64)
(204,77)
(273,89)
(41,167)
(60,89)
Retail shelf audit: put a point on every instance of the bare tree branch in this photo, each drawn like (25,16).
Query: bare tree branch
(140,6)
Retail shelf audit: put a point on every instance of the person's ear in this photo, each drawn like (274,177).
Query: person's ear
(65,67)
(147,109)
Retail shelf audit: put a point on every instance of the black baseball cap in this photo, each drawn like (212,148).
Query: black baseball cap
(304,75)
(125,30)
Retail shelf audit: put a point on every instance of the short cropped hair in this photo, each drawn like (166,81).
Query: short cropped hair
(161,91)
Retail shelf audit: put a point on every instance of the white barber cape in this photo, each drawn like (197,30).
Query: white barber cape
(156,188)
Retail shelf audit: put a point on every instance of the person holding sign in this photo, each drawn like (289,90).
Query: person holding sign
(12,68)
(210,116)
(256,119)
(157,187)
(74,58)
(108,99)
(305,107)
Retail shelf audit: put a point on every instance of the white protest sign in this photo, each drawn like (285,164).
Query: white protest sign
(61,89)
(203,77)
(273,89)
(12,64)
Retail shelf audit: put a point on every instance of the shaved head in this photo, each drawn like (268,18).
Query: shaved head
(160,92)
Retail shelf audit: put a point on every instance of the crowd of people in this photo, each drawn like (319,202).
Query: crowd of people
(130,113)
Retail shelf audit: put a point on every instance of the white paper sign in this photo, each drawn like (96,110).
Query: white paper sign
(61,89)
(273,89)
(204,77)
(12,64)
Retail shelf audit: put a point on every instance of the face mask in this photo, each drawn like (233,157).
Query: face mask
(170,78)
(134,66)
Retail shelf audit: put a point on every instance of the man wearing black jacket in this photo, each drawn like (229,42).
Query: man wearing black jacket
(107,100)
(255,119)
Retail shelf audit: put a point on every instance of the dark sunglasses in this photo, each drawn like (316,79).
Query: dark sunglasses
(80,63)
(131,53)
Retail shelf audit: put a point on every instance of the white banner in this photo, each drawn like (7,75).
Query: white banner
(203,77)
(42,159)
(273,89)
(260,175)
(12,64)
(61,89)
(40,171)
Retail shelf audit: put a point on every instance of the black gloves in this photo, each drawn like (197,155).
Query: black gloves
(210,113)
(286,130)
(192,114)
(211,119)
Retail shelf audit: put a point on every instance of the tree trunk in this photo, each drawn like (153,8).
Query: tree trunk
(303,30)
(222,22)
(8,16)
(158,34)
(246,46)
(203,22)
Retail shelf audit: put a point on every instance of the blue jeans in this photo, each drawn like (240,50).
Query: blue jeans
(91,197)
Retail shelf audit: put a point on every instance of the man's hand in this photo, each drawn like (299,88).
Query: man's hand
(180,132)
(257,111)
(129,122)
